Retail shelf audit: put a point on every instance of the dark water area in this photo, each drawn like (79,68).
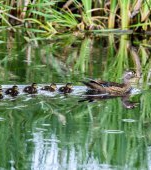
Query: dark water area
(55,131)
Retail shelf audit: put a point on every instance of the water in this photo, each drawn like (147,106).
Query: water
(56,131)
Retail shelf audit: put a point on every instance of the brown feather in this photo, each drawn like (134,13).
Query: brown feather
(112,88)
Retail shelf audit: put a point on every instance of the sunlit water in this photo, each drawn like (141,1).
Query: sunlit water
(53,131)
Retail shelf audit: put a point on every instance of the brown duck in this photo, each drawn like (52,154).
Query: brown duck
(12,91)
(66,89)
(31,89)
(50,88)
(112,88)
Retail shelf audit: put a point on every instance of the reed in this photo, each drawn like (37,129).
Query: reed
(59,16)
(112,14)
(125,18)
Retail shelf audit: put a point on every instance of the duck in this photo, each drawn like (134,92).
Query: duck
(31,89)
(66,89)
(50,88)
(12,91)
(1,93)
(111,88)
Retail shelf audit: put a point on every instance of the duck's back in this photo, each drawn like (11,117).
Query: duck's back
(107,84)
(30,90)
(8,91)
(27,89)
(108,87)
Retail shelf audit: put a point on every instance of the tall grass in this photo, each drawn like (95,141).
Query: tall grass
(57,16)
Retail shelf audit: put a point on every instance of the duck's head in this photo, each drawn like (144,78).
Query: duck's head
(54,86)
(69,85)
(128,75)
(34,85)
(15,88)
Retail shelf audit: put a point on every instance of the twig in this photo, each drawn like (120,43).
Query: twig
(67,4)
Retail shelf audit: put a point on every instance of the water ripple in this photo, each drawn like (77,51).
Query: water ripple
(113,131)
(2,119)
(129,120)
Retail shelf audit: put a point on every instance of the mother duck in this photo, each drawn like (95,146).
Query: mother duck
(112,88)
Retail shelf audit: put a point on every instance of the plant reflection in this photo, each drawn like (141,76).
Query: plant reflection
(55,131)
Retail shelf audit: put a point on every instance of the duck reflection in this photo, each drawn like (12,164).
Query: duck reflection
(96,97)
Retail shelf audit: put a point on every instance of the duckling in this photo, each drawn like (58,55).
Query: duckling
(50,88)
(112,88)
(1,93)
(31,89)
(12,91)
(66,89)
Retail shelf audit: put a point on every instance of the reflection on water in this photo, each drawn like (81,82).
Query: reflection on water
(48,155)
(56,131)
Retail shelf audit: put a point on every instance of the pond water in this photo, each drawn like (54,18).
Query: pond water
(58,132)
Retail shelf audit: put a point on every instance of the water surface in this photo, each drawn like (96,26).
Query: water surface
(56,131)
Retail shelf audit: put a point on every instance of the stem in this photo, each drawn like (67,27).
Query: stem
(111,21)
(125,17)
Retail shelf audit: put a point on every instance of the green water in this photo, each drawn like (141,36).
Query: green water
(56,131)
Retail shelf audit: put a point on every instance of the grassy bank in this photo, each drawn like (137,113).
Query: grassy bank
(50,17)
